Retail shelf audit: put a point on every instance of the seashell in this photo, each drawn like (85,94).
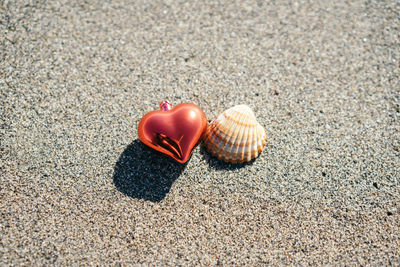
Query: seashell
(235,136)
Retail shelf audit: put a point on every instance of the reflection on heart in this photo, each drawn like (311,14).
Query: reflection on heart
(169,144)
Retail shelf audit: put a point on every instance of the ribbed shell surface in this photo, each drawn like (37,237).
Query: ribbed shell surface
(235,136)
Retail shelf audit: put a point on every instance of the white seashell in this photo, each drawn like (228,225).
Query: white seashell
(235,136)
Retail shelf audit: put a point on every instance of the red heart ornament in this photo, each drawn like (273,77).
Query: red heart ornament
(173,131)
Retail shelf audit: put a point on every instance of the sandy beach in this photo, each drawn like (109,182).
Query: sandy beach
(79,188)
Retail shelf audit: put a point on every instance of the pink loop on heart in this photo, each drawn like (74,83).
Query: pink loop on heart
(165,105)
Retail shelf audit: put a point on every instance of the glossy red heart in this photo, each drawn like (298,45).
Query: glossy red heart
(175,132)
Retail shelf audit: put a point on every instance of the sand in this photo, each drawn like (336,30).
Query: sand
(78,188)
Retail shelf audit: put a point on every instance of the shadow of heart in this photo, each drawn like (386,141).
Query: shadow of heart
(143,173)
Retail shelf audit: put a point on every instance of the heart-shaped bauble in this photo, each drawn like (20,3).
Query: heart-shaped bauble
(174,132)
